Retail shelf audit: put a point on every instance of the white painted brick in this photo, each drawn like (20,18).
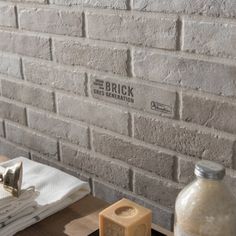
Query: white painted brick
(151,31)
(7,15)
(10,65)
(102,167)
(217,113)
(185,72)
(54,76)
(28,94)
(225,8)
(209,38)
(58,128)
(32,140)
(65,22)
(25,44)
(185,139)
(91,55)
(152,160)
(93,113)
(157,100)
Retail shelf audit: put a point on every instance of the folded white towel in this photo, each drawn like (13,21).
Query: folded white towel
(56,189)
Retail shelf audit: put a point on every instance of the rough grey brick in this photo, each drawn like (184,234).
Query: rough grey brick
(186,170)
(131,94)
(7,15)
(151,31)
(25,44)
(56,127)
(12,112)
(1,128)
(209,38)
(185,72)
(160,215)
(102,167)
(161,191)
(32,140)
(11,150)
(93,113)
(92,55)
(56,21)
(137,155)
(57,77)
(185,139)
(28,94)
(225,8)
(219,114)
(10,65)
(29,1)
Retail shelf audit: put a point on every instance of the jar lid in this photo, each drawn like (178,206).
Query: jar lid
(209,170)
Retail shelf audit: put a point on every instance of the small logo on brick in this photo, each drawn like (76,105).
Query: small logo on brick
(156,106)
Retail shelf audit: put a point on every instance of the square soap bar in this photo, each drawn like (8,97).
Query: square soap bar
(125,218)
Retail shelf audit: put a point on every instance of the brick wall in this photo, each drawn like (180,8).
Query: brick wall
(127,95)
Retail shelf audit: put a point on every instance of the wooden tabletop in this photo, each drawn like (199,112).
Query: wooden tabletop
(79,219)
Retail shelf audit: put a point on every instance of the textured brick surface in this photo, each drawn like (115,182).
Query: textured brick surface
(184,139)
(30,139)
(160,215)
(136,29)
(54,76)
(93,113)
(55,21)
(156,189)
(219,114)
(137,155)
(210,38)
(131,94)
(186,170)
(10,65)
(25,44)
(102,167)
(91,55)
(185,72)
(11,150)
(225,8)
(12,112)
(28,94)
(56,127)
(7,15)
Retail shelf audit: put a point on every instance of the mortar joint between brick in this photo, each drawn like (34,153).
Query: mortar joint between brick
(130,125)
(51,49)
(22,69)
(176,169)
(178,106)
(129,4)
(58,151)
(131,180)
(17,18)
(30,155)
(86,85)
(234,156)
(129,63)
(84,25)
(4,129)
(90,137)
(179,26)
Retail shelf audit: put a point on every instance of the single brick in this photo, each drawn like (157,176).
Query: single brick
(104,168)
(116,4)
(161,191)
(219,114)
(138,29)
(56,127)
(11,111)
(11,150)
(93,113)
(7,15)
(1,128)
(28,94)
(209,38)
(10,65)
(186,170)
(55,76)
(92,55)
(185,139)
(223,8)
(160,215)
(185,72)
(130,94)
(134,154)
(55,21)
(32,140)
(25,44)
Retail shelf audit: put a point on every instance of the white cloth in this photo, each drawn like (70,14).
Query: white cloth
(56,190)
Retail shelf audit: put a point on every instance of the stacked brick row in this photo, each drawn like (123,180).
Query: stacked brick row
(174,62)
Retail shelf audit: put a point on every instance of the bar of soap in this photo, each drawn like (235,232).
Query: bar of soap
(125,218)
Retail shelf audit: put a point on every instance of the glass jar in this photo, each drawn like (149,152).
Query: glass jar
(206,207)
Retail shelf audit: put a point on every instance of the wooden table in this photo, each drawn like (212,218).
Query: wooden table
(79,219)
